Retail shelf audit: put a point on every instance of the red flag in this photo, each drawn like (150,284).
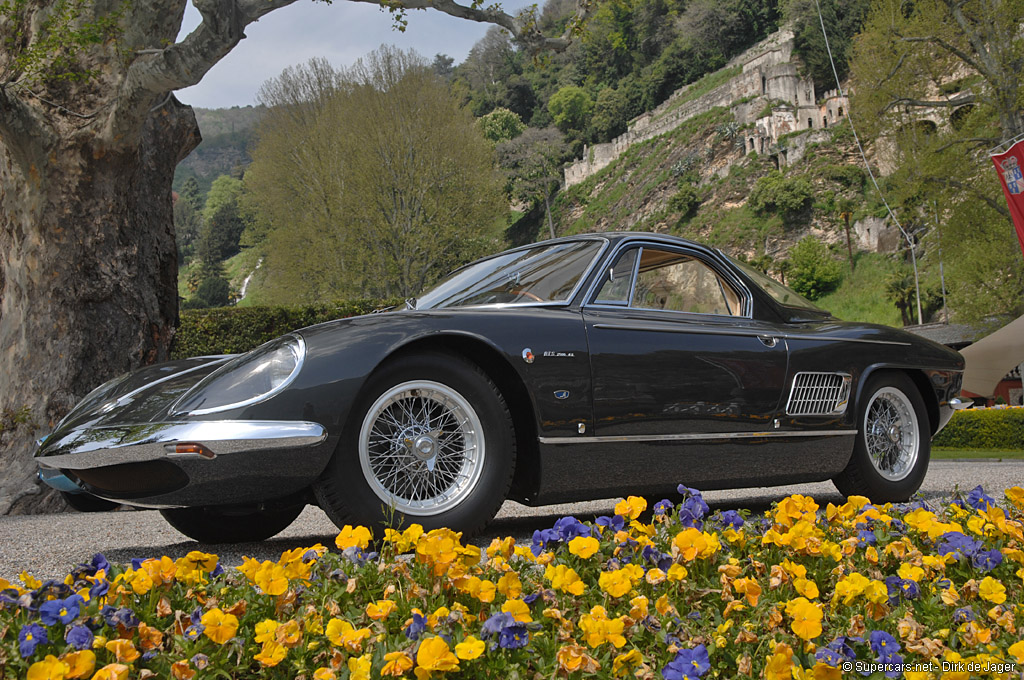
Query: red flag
(1010,166)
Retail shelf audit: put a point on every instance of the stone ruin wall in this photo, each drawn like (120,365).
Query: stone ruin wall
(769,76)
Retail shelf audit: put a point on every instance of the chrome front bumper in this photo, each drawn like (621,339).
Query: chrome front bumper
(186,464)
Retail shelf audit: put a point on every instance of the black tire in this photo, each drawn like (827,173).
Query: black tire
(893,446)
(429,441)
(85,502)
(228,525)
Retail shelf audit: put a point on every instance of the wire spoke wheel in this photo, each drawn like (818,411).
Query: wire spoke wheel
(891,433)
(421,448)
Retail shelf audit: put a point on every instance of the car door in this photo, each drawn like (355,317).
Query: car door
(674,351)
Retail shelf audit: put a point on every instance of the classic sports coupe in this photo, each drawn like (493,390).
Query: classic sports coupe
(578,368)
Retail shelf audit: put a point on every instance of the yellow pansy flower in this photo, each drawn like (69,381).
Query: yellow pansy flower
(50,668)
(435,655)
(631,507)
(220,627)
(992,590)
(344,634)
(584,546)
(470,648)
(396,664)
(350,536)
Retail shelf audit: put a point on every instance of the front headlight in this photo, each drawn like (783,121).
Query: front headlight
(250,378)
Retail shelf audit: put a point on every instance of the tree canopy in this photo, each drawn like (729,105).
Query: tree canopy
(360,209)
(936,86)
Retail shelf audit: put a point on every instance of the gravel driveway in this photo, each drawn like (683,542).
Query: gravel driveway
(47,546)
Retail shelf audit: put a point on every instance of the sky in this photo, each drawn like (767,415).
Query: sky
(341,32)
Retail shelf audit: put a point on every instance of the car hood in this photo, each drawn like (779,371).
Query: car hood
(142,396)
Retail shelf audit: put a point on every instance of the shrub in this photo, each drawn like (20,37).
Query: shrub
(814,271)
(214,292)
(570,108)
(230,330)
(501,125)
(992,428)
(685,201)
(786,196)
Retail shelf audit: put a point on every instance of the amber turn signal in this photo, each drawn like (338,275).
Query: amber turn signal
(197,449)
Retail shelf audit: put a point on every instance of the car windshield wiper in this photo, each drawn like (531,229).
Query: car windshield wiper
(410,303)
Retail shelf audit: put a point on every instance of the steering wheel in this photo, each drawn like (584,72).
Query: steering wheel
(526,293)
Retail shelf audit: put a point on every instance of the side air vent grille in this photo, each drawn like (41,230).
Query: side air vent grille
(819,394)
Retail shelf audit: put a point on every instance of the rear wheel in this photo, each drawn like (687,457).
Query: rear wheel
(430,441)
(228,525)
(890,457)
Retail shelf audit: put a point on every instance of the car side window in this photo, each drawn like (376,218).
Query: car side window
(618,280)
(678,282)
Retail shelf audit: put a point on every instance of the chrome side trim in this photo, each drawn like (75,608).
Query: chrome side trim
(100,446)
(751,333)
(694,437)
(702,330)
(958,403)
(863,340)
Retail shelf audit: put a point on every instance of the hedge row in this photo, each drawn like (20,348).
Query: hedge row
(230,330)
(993,428)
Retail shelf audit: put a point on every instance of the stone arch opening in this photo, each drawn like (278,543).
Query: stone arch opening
(959,116)
(810,123)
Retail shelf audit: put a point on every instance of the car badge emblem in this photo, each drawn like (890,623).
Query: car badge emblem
(561,394)
(528,355)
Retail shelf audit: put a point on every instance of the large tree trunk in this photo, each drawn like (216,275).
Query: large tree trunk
(88,280)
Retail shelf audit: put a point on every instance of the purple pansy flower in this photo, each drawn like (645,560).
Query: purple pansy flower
(31,636)
(688,664)
(64,611)
(79,637)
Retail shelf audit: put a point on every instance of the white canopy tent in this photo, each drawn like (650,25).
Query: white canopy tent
(988,360)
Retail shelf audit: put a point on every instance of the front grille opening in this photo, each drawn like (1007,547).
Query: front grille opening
(132,480)
(819,394)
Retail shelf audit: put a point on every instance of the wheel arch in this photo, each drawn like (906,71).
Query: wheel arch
(490,360)
(921,382)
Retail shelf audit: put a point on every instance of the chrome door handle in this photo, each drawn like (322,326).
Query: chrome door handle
(768,340)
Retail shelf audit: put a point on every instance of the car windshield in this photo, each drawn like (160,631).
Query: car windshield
(782,294)
(544,273)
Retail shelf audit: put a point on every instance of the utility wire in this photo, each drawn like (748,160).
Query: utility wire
(871,174)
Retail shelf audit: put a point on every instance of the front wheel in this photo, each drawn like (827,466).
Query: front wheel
(430,441)
(228,525)
(890,457)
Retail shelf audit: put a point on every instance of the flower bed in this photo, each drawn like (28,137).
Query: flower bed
(673,593)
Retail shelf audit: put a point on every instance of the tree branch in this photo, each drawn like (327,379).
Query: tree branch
(997,205)
(978,142)
(976,41)
(929,103)
(522,26)
(952,49)
(156,72)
